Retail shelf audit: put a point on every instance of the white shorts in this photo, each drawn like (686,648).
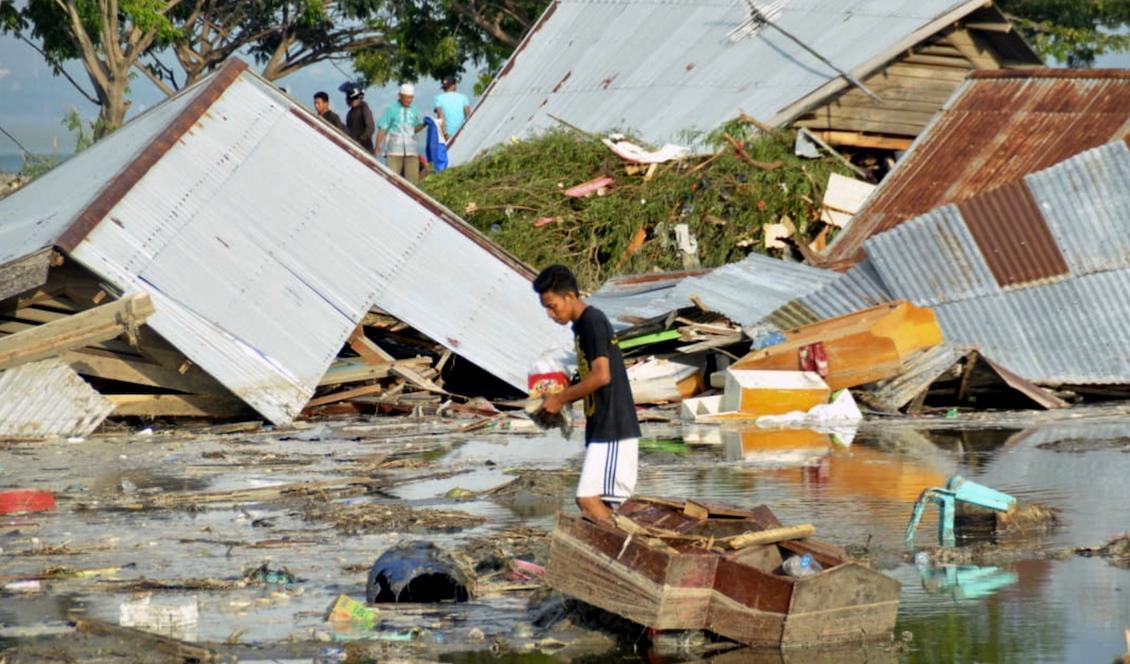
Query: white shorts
(609,470)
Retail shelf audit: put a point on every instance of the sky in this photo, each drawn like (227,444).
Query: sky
(33,101)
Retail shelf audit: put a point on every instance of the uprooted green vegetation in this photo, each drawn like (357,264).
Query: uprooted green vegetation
(726,201)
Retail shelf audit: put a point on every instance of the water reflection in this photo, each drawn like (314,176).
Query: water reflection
(966,582)
(897,469)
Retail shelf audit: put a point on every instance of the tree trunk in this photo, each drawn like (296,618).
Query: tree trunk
(113,114)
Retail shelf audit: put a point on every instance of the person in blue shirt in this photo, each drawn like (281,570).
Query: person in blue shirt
(452,107)
(400,122)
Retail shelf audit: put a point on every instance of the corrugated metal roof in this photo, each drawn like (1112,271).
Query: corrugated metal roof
(1082,201)
(997,127)
(1069,330)
(1012,235)
(260,265)
(861,287)
(935,258)
(48,399)
(27,224)
(665,68)
(744,292)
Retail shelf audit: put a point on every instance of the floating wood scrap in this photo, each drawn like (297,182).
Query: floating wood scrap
(175,649)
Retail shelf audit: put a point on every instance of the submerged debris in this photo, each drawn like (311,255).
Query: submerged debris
(420,571)
(379,517)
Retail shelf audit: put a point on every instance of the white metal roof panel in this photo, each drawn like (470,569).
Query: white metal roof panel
(264,244)
(48,399)
(28,224)
(662,67)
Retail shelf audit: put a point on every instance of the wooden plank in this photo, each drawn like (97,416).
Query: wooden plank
(24,274)
(860,139)
(926,72)
(957,61)
(368,351)
(416,379)
(975,48)
(175,405)
(364,390)
(772,536)
(136,370)
(347,371)
(99,324)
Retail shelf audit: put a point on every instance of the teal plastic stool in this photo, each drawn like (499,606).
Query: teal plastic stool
(958,490)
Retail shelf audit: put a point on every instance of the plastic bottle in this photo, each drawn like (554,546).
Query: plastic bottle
(801,566)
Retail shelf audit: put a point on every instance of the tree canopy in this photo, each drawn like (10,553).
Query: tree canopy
(1073,32)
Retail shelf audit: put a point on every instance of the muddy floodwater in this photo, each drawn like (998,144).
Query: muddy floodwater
(131,526)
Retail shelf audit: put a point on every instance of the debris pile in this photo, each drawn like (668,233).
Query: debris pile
(750,195)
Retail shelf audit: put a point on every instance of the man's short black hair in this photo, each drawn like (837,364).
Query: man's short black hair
(556,279)
(323,96)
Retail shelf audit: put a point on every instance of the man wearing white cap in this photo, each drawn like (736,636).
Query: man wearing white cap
(400,122)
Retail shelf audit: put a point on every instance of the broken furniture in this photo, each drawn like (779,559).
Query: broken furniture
(861,347)
(690,565)
(957,490)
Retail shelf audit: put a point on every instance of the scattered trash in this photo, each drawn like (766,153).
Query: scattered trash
(345,609)
(629,151)
(28,586)
(178,621)
(263,574)
(594,186)
(420,572)
(22,501)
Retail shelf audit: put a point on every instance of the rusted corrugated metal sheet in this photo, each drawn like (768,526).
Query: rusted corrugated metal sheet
(998,127)
(48,399)
(1012,235)
(1058,325)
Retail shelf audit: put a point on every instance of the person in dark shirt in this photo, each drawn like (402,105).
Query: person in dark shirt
(612,432)
(322,106)
(359,119)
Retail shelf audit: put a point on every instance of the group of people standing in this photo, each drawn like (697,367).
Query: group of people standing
(398,124)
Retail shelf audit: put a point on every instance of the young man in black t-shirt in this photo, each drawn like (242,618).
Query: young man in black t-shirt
(612,431)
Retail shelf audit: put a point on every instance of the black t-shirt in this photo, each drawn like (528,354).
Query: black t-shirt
(610,413)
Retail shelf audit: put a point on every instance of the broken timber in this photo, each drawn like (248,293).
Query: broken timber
(101,323)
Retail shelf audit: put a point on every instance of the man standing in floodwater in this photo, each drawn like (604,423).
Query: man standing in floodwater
(359,119)
(322,106)
(612,432)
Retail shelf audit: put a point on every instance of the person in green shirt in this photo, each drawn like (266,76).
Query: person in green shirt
(399,123)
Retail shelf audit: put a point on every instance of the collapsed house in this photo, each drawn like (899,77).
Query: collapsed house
(240,242)
(866,74)
(1034,274)
(998,127)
